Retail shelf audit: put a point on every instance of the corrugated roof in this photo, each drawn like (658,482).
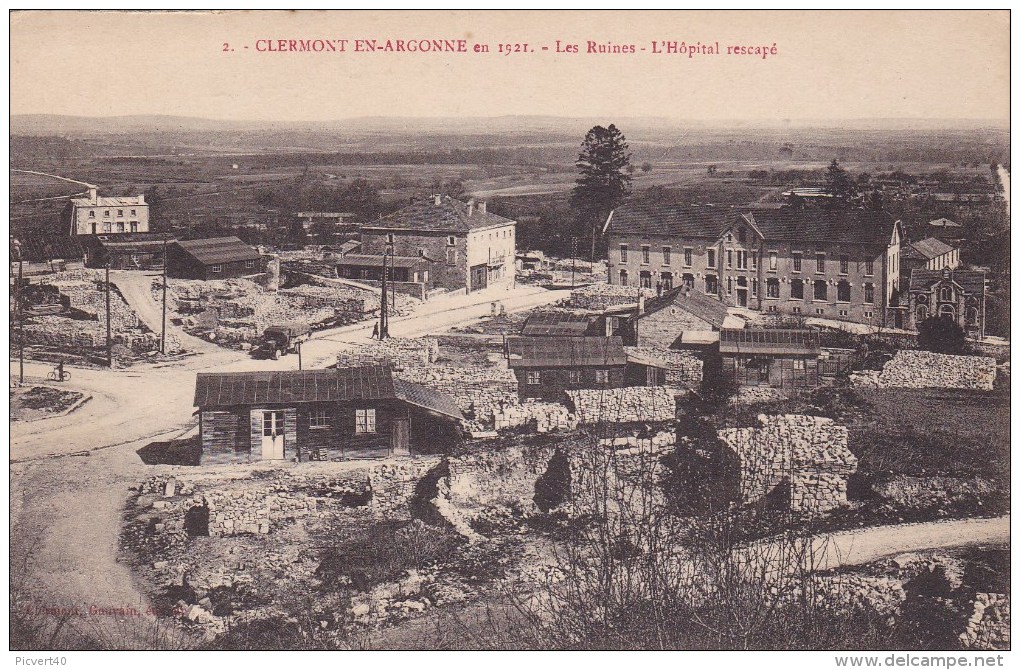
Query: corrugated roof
(426,398)
(218,250)
(549,352)
(931,247)
(224,389)
(693,301)
(972,281)
(769,341)
(449,215)
(556,323)
(376,261)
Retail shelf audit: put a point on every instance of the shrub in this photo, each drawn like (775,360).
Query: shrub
(942,335)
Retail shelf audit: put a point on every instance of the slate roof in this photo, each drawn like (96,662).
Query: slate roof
(972,281)
(931,247)
(449,215)
(376,261)
(556,323)
(944,222)
(769,341)
(217,250)
(111,201)
(693,301)
(776,225)
(289,387)
(555,352)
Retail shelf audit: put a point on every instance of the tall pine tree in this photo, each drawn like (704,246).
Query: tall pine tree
(603,182)
(839,185)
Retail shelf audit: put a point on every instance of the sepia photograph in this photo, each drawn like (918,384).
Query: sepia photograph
(510,330)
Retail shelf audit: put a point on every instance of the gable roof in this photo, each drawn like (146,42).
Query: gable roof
(691,300)
(930,247)
(769,341)
(370,382)
(216,250)
(448,215)
(972,281)
(785,224)
(111,201)
(551,352)
(556,323)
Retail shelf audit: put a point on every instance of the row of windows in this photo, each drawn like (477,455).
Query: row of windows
(219,268)
(364,420)
(106,212)
(534,377)
(819,287)
(742,257)
(108,227)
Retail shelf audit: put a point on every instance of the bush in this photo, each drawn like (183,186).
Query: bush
(942,335)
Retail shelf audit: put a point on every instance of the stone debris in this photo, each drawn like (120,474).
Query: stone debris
(988,625)
(544,417)
(809,452)
(599,296)
(625,405)
(682,368)
(753,395)
(925,369)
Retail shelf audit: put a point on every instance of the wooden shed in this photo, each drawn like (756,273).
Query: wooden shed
(213,258)
(777,357)
(546,367)
(355,412)
(125,251)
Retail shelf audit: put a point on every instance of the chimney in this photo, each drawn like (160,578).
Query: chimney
(471,207)
(481,207)
(438,198)
(141,198)
(93,195)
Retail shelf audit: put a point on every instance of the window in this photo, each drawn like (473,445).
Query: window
(574,376)
(773,308)
(134,226)
(250,263)
(120,227)
(711,258)
(754,260)
(729,258)
(92,213)
(106,227)
(869,315)
(364,421)
(317,418)
(120,212)
(711,284)
(922,313)
(798,259)
(451,256)
(843,312)
(819,262)
(646,279)
(106,212)
(688,280)
(134,212)
(798,364)
(797,289)
(688,256)
(389,238)
(869,293)
(667,280)
(869,267)
(646,254)
(602,376)
(819,310)
(533,377)
(972,316)
(754,287)
(796,310)
(451,241)
(623,277)
(216,268)
(946,294)
(667,253)
(623,253)
(821,289)
(844,264)
(729,285)
(741,260)
(421,251)
(772,287)
(773,261)
(843,291)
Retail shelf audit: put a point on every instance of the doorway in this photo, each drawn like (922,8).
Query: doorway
(401,437)
(741,297)
(479,278)
(272,435)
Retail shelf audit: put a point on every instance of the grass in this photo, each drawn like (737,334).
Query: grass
(38,402)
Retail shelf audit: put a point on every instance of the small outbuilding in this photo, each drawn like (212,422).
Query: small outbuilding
(777,357)
(125,251)
(213,258)
(547,367)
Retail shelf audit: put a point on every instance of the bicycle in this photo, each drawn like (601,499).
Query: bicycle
(53,375)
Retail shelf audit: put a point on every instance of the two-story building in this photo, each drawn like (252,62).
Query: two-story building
(837,264)
(97,215)
(470,248)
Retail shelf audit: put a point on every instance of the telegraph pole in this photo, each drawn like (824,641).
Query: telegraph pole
(162,336)
(109,328)
(573,260)
(384,326)
(20,311)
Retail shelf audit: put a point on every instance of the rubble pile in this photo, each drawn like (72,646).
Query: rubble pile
(925,369)
(393,485)
(627,444)
(809,452)
(752,395)
(599,296)
(399,352)
(624,405)
(908,492)
(543,416)
(988,625)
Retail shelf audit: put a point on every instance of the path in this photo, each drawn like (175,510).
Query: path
(56,176)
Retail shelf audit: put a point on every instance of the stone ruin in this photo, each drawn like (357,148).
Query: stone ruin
(925,369)
(631,404)
(807,453)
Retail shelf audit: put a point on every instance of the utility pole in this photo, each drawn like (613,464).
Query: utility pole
(20,311)
(162,337)
(573,260)
(384,325)
(109,328)
(299,356)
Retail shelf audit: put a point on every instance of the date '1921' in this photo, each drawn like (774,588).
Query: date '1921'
(517,48)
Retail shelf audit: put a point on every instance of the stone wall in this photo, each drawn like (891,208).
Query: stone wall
(808,452)
(682,368)
(988,626)
(925,369)
(542,416)
(393,484)
(625,405)
(599,296)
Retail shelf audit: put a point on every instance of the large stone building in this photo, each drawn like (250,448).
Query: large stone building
(96,215)
(958,294)
(837,264)
(931,253)
(469,248)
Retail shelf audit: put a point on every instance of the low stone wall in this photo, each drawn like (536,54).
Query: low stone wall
(393,484)
(988,627)
(88,336)
(544,416)
(925,369)
(625,405)
(599,296)
(809,452)
(683,369)
(934,492)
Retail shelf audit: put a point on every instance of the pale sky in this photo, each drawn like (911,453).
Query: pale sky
(924,64)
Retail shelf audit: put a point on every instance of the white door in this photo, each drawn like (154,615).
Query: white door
(272,435)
